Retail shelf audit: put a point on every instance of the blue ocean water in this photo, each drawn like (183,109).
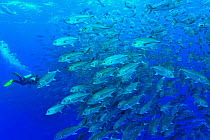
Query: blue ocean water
(30,34)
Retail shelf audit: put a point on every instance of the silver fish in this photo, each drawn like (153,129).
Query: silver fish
(46,79)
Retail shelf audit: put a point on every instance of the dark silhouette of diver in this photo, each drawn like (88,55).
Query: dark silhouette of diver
(30,79)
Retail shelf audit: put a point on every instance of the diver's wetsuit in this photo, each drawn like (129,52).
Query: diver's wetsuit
(32,80)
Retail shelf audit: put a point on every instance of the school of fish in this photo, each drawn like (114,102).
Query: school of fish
(139,75)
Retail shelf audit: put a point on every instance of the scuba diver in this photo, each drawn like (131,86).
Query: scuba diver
(30,79)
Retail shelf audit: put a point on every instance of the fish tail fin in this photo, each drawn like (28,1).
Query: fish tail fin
(87,51)
(118,35)
(113,25)
(8,83)
(174,22)
(79,38)
(98,20)
(149,8)
(83,123)
(92,59)
(57,70)
(202,6)
(130,54)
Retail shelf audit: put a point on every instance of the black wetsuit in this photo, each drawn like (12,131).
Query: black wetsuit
(32,80)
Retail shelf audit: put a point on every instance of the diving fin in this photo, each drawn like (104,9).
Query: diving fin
(27,76)
(15,73)
(8,83)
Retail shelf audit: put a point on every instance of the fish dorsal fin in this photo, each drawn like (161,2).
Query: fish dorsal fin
(92,59)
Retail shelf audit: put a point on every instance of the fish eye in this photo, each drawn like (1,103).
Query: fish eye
(201,25)
(85,28)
